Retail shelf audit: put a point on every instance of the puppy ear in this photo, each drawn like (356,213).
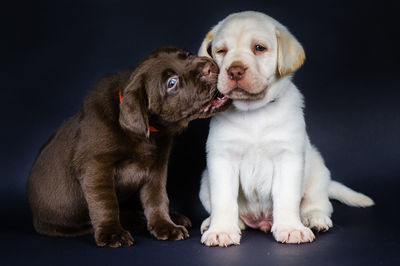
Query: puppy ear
(290,52)
(205,48)
(133,108)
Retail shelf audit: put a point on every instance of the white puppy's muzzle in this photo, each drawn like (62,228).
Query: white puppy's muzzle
(239,77)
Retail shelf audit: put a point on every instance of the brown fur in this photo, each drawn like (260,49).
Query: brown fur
(105,155)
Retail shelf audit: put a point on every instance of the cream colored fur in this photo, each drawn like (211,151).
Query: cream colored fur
(261,167)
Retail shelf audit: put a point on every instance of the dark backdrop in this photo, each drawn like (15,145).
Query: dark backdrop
(52,52)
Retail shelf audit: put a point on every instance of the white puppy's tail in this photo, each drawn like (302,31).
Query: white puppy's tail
(348,196)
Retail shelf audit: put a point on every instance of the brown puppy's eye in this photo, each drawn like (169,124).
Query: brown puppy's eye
(258,48)
(172,82)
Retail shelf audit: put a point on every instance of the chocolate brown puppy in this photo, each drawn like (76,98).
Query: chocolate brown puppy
(117,147)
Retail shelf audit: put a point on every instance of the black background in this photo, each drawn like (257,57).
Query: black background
(52,52)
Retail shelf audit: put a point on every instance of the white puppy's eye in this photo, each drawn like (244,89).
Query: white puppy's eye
(172,82)
(259,48)
(221,51)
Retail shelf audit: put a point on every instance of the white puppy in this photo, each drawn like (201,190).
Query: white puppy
(262,170)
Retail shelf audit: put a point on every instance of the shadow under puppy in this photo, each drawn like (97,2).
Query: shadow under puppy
(117,147)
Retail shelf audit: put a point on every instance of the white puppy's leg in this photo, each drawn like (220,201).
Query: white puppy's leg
(286,193)
(316,209)
(223,187)
(205,225)
(205,200)
(204,193)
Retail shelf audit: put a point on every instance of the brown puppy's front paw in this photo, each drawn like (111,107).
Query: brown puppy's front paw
(170,231)
(113,237)
(180,219)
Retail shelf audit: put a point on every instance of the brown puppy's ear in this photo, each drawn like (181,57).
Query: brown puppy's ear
(205,48)
(133,109)
(290,52)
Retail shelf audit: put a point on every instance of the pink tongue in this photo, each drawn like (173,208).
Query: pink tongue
(218,102)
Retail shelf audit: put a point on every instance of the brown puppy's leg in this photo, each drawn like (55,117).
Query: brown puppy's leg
(180,219)
(156,209)
(98,187)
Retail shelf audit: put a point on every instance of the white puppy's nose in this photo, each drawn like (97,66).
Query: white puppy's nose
(236,71)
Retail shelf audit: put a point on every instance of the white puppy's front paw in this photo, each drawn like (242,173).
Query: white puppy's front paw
(317,220)
(222,239)
(206,224)
(292,234)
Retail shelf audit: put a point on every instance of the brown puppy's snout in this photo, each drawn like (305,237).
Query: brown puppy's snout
(236,71)
(209,69)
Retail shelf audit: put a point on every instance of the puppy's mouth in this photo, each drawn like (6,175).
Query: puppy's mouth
(239,93)
(216,102)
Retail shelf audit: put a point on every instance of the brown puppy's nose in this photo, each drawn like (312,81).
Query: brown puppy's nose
(236,72)
(209,68)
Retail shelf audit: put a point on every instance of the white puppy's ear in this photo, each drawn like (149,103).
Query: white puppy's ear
(205,48)
(290,52)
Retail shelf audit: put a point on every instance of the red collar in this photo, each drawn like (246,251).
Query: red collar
(151,128)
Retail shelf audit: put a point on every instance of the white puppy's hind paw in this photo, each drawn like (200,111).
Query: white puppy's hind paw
(204,225)
(317,220)
(293,235)
(241,224)
(222,239)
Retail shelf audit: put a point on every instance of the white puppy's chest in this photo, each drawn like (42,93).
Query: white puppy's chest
(250,145)
(253,141)
(255,179)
